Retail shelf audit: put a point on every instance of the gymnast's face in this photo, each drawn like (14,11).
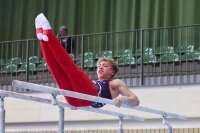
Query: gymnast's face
(104,70)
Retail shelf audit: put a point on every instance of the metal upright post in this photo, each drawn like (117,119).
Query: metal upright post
(54,101)
(120,124)
(165,122)
(82,52)
(2,117)
(27,61)
(141,63)
(61,119)
(61,114)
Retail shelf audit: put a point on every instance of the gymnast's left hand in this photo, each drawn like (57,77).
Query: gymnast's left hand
(119,100)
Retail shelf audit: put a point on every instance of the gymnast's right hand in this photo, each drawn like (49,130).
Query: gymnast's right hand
(119,100)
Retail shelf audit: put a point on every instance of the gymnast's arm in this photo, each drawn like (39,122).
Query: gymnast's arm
(125,95)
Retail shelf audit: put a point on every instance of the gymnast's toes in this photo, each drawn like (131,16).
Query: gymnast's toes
(45,35)
(37,22)
(45,38)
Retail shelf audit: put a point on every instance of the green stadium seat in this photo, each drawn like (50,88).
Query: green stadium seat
(191,56)
(42,67)
(10,69)
(72,56)
(122,53)
(164,50)
(169,58)
(42,60)
(185,48)
(107,54)
(145,51)
(33,59)
(88,64)
(15,60)
(79,64)
(126,61)
(147,59)
(87,55)
(32,68)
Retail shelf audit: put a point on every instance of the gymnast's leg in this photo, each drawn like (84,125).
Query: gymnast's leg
(59,74)
(64,70)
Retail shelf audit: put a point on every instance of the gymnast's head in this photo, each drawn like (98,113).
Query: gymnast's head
(106,68)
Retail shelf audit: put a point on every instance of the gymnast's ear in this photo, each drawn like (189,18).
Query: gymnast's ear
(113,72)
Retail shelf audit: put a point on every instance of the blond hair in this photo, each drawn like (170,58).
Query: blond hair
(112,63)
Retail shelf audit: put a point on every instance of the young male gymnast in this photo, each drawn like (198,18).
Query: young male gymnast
(69,77)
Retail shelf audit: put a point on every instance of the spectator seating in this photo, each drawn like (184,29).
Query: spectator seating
(107,54)
(126,61)
(147,59)
(33,59)
(41,60)
(9,69)
(169,58)
(164,50)
(15,60)
(88,64)
(122,53)
(145,51)
(185,48)
(124,58)
(191,56)
(31,68)
(87,55)
(72,56)
(42,67)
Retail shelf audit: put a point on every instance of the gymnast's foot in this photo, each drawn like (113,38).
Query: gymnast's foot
(42,26)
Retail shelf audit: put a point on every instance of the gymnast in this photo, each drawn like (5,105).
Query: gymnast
(69,77)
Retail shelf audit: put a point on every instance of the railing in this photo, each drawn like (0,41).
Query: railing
(54,92)
(158,56)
